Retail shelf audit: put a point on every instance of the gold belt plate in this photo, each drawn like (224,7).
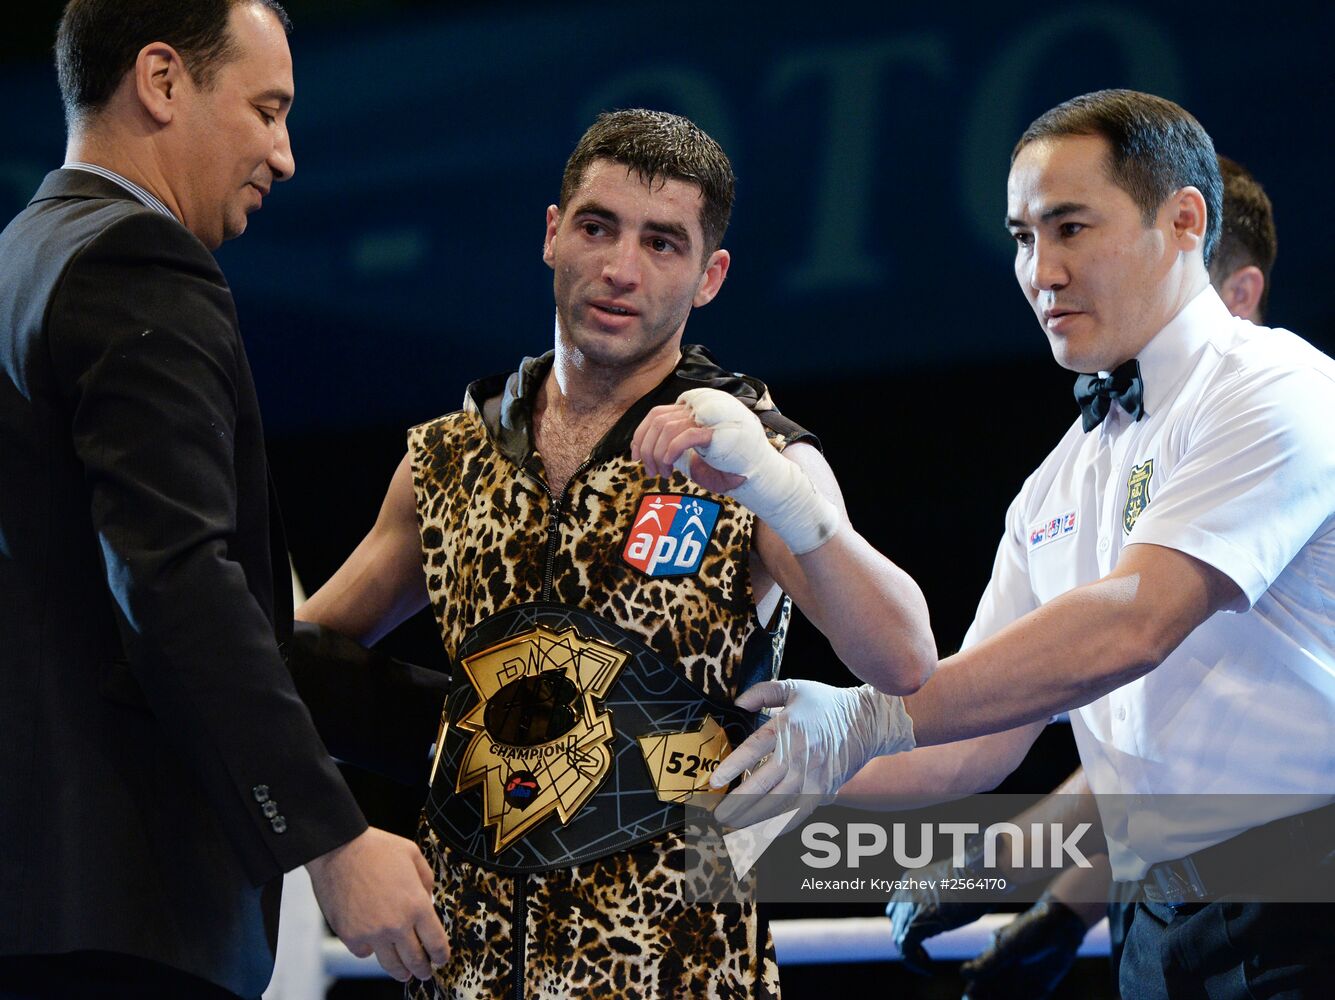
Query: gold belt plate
(540,743)
(680,764)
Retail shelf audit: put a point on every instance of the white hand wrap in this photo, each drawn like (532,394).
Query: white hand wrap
(776,490)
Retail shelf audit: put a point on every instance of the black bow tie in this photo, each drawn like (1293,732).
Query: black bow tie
(1095,394)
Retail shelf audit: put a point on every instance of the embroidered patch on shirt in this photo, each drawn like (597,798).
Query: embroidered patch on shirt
(1137,494)
(1051,529)
(669,533)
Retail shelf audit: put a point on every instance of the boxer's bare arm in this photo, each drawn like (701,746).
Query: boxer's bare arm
(928,775)
(382,582)
(869,609)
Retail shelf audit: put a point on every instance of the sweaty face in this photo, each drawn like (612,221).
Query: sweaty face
(234,139)
(628,266)
(1096,276)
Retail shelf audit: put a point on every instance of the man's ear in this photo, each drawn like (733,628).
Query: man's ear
(1187,217)
(159,76)
(548,243)
(716,270)
(1241,291)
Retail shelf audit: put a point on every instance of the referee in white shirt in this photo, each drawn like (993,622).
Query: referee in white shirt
(1167,574)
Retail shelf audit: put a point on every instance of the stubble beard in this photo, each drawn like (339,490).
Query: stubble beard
(612,357)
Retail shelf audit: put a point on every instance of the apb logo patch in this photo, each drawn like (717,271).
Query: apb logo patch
(1137,494)
(1050,529)
(669,533)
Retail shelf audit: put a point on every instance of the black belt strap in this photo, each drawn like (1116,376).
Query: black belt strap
(1288,859)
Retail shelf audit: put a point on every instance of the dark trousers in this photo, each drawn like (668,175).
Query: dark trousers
(1226,950)
(99,975)
(1121,911)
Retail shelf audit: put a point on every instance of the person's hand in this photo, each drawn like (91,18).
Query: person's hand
(375,891)
(669,438)
(822,737)
(713,438)
(1029,956)
(919,913)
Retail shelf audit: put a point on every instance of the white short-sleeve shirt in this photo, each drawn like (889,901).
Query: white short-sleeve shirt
(1233,463)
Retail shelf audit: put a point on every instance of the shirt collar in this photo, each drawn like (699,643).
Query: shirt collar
(140,194)
(1171,354)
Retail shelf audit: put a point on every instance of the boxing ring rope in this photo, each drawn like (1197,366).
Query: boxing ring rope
(309,959)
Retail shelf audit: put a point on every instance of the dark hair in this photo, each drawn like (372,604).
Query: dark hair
(1249,228)
(1156,148)
(99,40)
(657,146)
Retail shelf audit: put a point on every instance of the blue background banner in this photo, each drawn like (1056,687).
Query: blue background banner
(871,148)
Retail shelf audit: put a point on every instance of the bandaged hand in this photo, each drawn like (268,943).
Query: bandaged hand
(729,439)
(820,738)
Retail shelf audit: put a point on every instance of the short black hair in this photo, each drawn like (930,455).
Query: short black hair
(657,145)
(1249,228)
(1155,148)
(99,40)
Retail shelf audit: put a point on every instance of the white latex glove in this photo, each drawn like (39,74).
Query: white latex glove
(776,490)
(820,737)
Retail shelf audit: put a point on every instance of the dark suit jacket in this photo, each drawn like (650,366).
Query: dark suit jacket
(158,772)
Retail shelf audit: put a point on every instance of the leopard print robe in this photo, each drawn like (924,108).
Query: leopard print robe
(494,536)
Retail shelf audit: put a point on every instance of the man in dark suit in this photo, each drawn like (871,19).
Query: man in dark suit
(158,772)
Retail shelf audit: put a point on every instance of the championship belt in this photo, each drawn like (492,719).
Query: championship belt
(568,739)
